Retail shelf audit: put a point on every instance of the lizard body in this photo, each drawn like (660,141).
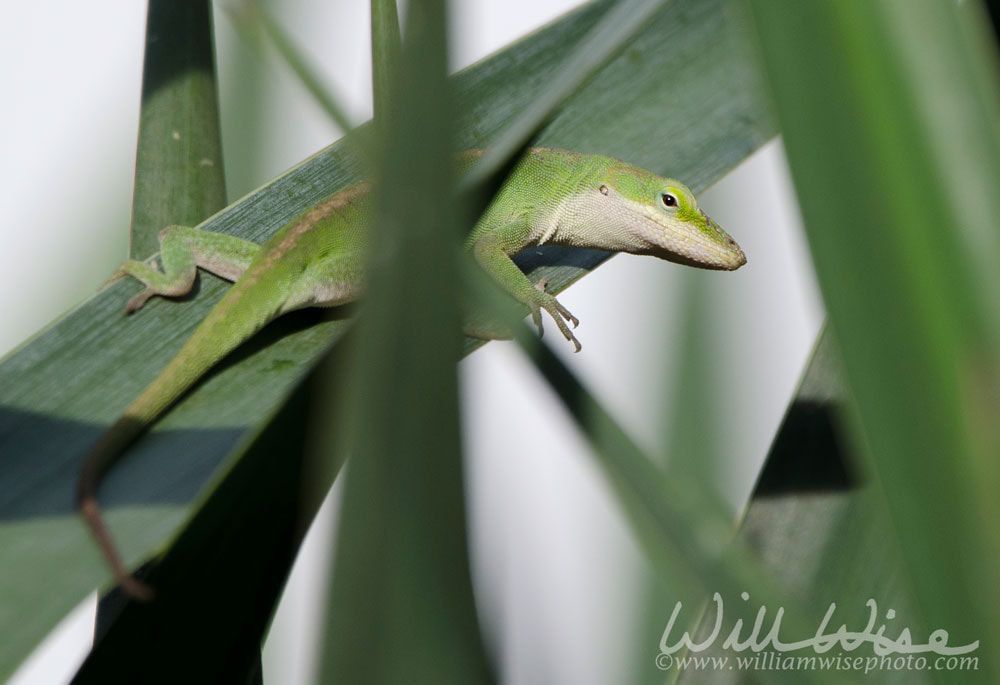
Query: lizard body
(551,197)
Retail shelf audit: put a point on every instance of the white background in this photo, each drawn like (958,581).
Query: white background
(555,566)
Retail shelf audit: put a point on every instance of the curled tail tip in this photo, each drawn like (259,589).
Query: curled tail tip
(90,510)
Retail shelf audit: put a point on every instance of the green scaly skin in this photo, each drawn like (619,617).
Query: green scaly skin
(551,197)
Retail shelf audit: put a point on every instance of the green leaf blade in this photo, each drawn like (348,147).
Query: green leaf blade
(179,175)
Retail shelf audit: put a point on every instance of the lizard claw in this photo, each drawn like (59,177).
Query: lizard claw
(558,314)
(568,334)
(564,313)
(536,317)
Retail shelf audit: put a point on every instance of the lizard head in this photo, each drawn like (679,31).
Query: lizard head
(659,216)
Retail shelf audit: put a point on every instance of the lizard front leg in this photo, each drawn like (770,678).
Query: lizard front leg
(491,256)
(182,251)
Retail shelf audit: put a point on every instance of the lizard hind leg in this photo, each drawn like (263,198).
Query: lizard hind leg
(176,278)
(182,251)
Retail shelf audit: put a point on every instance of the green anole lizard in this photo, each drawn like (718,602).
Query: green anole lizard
(551,197)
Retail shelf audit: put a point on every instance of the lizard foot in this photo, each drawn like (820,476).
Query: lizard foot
(558,313)
(136,301)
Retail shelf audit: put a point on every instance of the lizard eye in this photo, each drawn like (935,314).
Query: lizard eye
(668,200)
(604,190)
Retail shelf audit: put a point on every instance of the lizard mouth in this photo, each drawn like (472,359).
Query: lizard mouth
(691,247)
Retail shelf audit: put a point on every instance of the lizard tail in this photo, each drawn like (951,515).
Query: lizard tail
(126,429)
(217,335)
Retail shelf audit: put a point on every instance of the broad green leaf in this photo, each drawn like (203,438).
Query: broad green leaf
(60,390)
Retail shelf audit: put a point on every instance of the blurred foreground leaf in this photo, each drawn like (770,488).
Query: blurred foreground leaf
(401,608)
(889,112)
